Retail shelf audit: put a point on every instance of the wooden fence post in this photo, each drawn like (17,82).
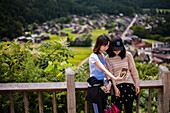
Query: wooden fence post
(11,103)
(40,102)
(150,100)
(54,102)
(71,97)
(26,104)
(138,103)
(86,103)
(166,92)
(165,76)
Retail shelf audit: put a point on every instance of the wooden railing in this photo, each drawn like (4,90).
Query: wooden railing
(163,86)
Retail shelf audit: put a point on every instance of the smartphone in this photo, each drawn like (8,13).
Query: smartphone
(123,72)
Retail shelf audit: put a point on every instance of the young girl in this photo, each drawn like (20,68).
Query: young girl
(97,73)
(117,59)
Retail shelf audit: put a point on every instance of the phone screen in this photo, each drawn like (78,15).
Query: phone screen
(124,72)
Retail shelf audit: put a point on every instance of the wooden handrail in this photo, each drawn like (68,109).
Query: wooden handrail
(62,86)
(162,85)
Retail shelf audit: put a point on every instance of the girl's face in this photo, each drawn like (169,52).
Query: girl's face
(117,52)
(103,48)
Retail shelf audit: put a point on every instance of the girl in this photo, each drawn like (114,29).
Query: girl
(97,73)
(117,59)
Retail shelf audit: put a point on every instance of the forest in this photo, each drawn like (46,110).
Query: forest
(17,14)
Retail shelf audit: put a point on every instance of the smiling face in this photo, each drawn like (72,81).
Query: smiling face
(103,48)
(117,52)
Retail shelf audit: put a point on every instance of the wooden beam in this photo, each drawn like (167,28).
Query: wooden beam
(62,86)
(150,83)
(11,103)
(33,87)
(26,104)
(160,100)
(138,103)
(71,97)
(40,101)
(150,100)
(54,102)
(86,103)
(166,92)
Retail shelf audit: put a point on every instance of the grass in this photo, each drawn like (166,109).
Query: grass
(158,10)
(149,40)
(97,32)
(81,48)
(163,10)
(80,53)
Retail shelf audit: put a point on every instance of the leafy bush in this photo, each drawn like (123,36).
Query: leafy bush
(23,63)
(147,72)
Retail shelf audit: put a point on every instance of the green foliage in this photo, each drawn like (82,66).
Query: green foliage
(80,53)
(147,72)
(23,63)
(82,74)
(140,31)
(85,41)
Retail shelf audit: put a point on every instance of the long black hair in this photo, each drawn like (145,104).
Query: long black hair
(110,52)
(101,40)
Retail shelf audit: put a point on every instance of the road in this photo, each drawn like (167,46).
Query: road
(123,36)
(130,25)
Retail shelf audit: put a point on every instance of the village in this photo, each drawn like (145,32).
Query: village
(154,52)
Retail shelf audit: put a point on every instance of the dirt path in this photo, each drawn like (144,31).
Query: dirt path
(81,63)
(86,59)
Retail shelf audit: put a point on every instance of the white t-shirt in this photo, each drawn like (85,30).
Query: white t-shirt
(94,70)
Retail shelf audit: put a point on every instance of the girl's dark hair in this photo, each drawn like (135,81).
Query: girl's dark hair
(122,54)
(101,40)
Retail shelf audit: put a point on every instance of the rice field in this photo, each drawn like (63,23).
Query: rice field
(149,40)
(80,53)
(97,32)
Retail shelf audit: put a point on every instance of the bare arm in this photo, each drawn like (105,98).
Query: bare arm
(101,66)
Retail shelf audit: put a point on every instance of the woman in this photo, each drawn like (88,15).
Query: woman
(97,74)
(117,59)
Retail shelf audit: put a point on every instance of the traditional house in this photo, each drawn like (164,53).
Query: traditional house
(38,31)
(78,40)
(165,58)
(134,53)
(144,57)
(45,37)
(142,45)
(22,38)
(63,33)
(38,40)
(161,50)
(157,60)
(5,39)
(85,30)
(54,32)
(157,45)
(89,22)
(98,24)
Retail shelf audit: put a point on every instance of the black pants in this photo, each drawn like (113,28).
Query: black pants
(127,106)
(127,96)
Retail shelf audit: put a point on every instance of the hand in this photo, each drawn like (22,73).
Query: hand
(137,89)
(108,87)
(117,92)
(119,78)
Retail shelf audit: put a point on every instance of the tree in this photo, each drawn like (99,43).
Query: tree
(140,31)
